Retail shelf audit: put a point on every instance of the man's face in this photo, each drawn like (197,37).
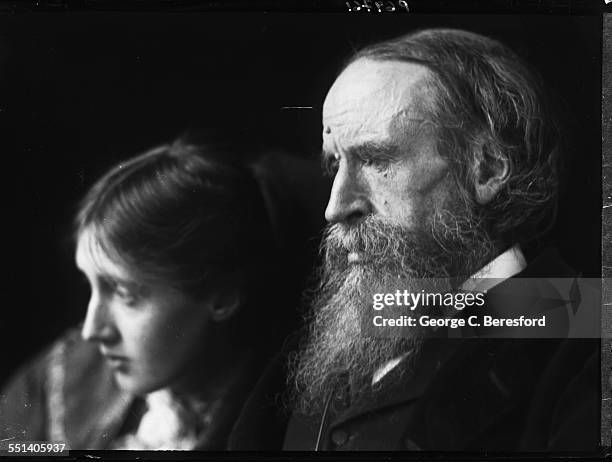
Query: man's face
(150,335)
(383,150)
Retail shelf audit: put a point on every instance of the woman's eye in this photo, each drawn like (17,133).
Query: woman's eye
(126,294)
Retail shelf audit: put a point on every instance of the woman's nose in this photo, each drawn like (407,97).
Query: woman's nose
(99,325)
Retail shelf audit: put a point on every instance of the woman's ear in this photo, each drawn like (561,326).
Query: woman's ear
(491,172)
(224,304)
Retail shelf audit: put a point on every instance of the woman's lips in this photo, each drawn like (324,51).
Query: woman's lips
(119,363)
(113,358)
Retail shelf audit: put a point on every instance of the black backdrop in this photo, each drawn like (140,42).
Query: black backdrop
(81,91)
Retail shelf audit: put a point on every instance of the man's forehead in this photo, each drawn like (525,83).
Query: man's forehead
(381,89)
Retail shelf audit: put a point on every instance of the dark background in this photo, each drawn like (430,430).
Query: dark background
(81,91)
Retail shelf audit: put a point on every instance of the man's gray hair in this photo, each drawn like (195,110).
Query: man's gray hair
(489,105)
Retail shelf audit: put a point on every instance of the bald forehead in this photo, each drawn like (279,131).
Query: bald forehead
(385,87)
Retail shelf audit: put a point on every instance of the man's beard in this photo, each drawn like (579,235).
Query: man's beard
(449,248)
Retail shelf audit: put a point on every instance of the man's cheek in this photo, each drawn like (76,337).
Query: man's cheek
(399,205)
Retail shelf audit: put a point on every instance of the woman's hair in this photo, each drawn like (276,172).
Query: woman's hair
(182,215)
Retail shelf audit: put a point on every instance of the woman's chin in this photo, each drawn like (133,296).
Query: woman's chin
(135,385)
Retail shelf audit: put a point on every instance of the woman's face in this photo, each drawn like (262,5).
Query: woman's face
(150,335)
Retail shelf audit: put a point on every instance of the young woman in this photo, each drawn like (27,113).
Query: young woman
(176,247)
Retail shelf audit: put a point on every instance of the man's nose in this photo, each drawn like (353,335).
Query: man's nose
(99,325)
(348,200)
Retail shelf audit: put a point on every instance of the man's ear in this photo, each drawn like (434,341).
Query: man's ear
(491,172)
(223,304)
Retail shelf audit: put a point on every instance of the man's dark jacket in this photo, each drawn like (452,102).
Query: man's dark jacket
(480,394)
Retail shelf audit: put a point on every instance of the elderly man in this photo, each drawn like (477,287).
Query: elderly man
(445,158)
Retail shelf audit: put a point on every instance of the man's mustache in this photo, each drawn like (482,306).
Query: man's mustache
(371,237)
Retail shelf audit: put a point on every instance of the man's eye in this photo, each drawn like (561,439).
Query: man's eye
(378,164)
(330,165)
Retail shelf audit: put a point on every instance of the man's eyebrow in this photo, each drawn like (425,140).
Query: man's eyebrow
(375,149)
(369,149)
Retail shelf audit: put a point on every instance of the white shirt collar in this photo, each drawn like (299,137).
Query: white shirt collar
(502,267)
(387,367)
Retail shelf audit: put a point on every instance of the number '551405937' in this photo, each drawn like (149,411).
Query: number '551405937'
(36,448)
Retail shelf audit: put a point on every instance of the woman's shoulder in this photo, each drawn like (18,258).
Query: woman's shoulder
(58,394)
(24,398)
(69,348)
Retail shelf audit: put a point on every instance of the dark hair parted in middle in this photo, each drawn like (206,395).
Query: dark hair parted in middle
(182,215)
(488,104)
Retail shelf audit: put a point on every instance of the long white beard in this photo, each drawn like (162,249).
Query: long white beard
(336,344)
(394,258)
